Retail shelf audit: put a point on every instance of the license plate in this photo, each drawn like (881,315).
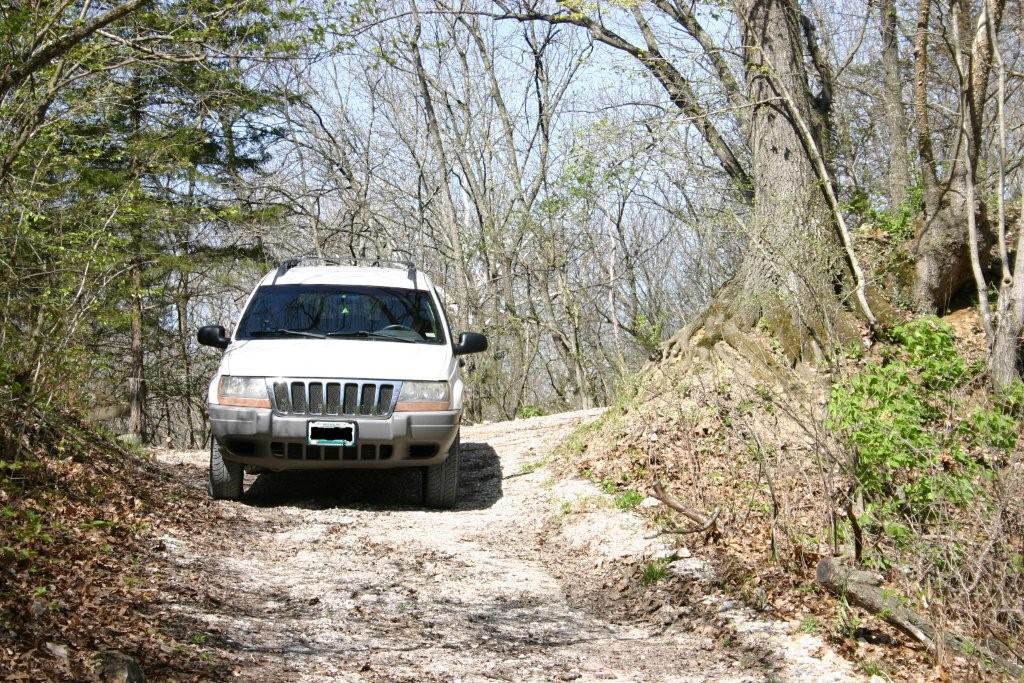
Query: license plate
(326,433)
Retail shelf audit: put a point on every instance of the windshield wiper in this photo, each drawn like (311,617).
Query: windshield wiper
(281,330)
(367,333)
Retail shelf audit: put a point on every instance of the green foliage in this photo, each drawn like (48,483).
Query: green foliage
(873,669)
(810,625)
(532,466)
(654,571)
(613,418)
(529,410)
(897,223)
(628,499)
(1010,400)
(129,180)
(930,349)
(847,623)
(992,427)
(647,333)
(896,415)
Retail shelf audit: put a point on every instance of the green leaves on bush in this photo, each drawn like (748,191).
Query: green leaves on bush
(991,427)
(896,416)
(929,348)
(529,410)
(897,223)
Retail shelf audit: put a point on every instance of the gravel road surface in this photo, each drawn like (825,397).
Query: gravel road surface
(341,576)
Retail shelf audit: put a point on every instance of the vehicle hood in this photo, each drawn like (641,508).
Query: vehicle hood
(337,358)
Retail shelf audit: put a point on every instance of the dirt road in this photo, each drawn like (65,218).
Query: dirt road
(341,577)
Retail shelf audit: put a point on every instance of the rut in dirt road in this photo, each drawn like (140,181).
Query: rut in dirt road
(342,577)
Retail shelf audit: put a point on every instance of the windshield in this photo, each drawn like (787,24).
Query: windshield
(341,311)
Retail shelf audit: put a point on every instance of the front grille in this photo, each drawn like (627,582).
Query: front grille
(300,451)
(323,397)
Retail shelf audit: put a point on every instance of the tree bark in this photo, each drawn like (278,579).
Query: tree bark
(136,375)
(793,262)
(941,249)
(137,358)
(1006,360)
(895,113)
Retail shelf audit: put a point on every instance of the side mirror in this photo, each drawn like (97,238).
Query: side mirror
(470,342)
(213,335)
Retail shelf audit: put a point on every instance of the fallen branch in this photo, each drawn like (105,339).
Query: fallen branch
(703,522)
(864,590)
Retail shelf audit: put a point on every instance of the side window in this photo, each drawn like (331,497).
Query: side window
(443,326)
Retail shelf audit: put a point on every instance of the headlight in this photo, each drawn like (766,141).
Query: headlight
(247,392)
(423,396)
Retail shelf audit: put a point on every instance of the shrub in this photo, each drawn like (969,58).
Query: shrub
(895,416)
(529,410)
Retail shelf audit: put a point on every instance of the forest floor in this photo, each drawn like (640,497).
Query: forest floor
(341,576)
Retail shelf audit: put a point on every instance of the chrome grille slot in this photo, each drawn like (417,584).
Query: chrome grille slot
(298,397)
(366,400)
(333,398)
(383,406)
(316,398)
(281,397)
(349,406)
(344,399)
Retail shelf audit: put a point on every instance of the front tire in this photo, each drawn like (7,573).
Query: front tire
(225,476)
(441,482)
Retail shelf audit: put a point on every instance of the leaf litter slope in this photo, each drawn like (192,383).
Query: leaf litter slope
(341,576)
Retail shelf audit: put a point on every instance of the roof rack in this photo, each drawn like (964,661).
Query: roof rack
(290,263)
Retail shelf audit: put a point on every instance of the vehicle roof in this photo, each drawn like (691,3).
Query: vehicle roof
(370,276)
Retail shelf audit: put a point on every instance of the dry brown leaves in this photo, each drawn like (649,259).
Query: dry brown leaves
(76,510)
(719,438)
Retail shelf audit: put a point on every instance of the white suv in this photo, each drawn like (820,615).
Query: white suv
(339,367)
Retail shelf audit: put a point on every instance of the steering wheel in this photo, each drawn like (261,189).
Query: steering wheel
(403,328)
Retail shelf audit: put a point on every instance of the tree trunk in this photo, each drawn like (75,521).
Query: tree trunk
(942,257)
(895,113)
(793,263)
(186,357)
(136,376)
(941,250)
(1006,360)
(136,370)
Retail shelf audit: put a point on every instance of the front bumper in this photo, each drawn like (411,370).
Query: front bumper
(256,436)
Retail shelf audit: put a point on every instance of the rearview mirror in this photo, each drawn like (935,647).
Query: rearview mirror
(213,335)
(470,342)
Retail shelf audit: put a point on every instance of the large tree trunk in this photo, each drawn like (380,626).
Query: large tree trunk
(941,252)
(895,113)
(793,263)
(942,258)
(794,271)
